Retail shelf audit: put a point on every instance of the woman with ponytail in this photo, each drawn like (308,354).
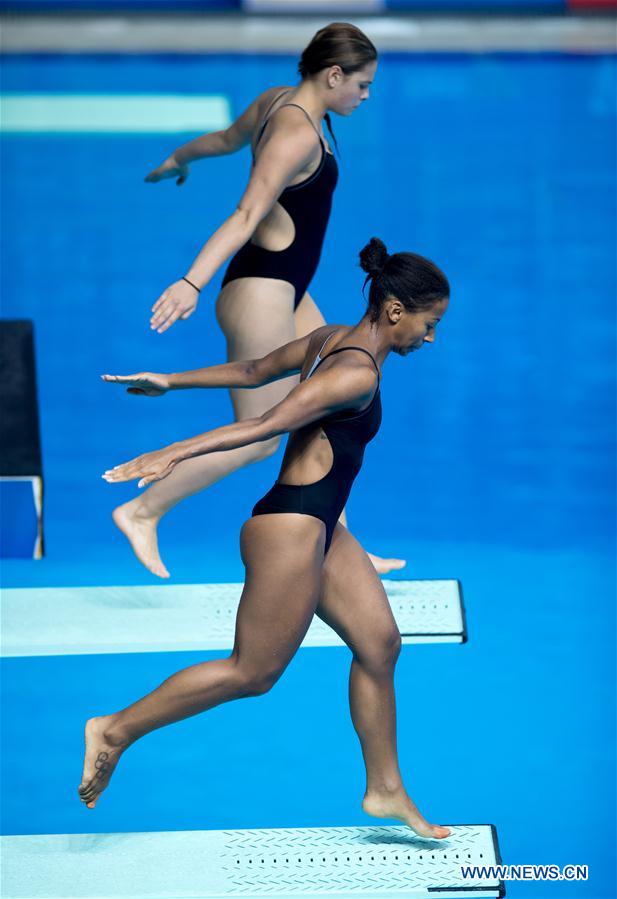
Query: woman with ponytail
(275,237)
(299,559)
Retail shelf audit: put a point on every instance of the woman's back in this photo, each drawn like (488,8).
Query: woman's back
(322,459)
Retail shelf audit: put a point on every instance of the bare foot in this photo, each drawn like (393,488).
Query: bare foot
(385,566)
(398,805)
(101,758)
(141,534)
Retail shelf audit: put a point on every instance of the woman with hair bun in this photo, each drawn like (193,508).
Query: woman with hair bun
(299,559)
(275,236)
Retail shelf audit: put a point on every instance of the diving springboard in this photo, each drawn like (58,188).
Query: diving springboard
(173,618)
(345,862)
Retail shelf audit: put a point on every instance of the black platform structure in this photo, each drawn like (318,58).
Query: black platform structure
(21,470)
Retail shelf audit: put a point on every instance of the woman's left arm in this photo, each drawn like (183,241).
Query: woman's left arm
(280,363)
(214,143)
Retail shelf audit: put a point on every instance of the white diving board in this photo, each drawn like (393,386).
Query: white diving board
(214,864)
(174,618)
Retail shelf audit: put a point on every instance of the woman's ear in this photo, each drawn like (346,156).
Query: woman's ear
(394,309)
(335,76)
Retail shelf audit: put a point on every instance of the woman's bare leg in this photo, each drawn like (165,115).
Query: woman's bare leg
(308,318)
(353,602)
(283,557)
(256,315)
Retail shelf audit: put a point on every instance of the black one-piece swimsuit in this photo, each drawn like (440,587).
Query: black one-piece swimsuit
(308,204)
(348,432)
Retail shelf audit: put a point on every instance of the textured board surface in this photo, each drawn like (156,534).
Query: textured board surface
(78,620)
(342,861)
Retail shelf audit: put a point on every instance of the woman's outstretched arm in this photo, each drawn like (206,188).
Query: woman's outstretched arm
(345,386)
(283,154)
(215,143)
(280,363)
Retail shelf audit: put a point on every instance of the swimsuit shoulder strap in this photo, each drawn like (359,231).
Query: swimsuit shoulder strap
(266,117)
(318,359)
(276,99)
(297,105)
(360,349)
(269,115)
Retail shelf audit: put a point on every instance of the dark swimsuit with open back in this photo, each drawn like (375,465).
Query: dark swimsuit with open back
(348,432)
(308,205)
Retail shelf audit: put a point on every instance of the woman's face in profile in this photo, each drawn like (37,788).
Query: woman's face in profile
(352,90)
(417,328)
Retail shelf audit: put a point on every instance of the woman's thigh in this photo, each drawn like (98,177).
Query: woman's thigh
(308,316)
(353,600)
(283,557)
(256,316)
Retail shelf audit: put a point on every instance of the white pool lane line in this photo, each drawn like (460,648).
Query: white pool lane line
(113,113)
(336,861)
(172,618)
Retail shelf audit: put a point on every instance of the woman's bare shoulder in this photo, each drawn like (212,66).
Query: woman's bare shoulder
(267,97)
(331,334)
(283,117)
(242,131)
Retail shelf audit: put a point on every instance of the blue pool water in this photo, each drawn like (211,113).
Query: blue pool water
(494,463)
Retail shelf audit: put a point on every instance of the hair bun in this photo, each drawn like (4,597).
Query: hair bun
(373,257)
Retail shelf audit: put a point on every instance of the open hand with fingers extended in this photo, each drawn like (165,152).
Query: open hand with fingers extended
(178,301)
(149,467)
(145,383)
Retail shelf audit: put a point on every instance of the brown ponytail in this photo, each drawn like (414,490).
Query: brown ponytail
(338,44)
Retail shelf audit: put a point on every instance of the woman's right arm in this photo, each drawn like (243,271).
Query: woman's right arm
(284,153)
